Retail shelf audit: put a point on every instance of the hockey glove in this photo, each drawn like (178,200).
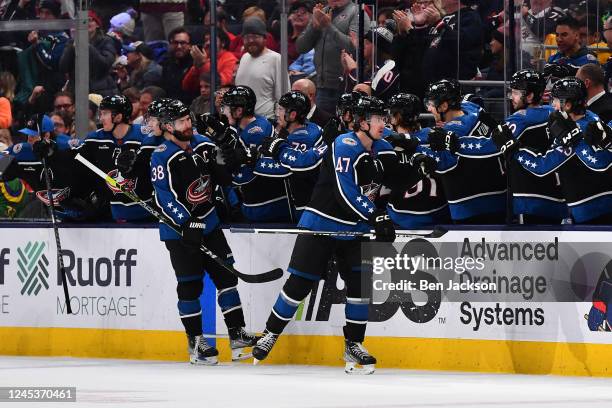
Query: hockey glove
(383,226)
(598,134)
(423,164)
(403,141)
(440,140)
(505,141)
(43,149)
(271,146)
(234,157)
(192,232)
(208,123)
(125,163)
(331,131)
(563,130)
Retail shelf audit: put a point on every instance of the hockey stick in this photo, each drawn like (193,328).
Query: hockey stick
(258,278)
(58,245)
(435,233)
(289,200)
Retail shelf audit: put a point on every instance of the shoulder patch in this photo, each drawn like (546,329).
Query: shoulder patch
(349,141)
(17,148)
(455,122)
(73,142)
(591,57)
(255,129)
(161,148)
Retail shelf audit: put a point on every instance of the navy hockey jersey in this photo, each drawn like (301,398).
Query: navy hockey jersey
(585,174)
(300,172)
(474,181)
(183,182)
(349,183)
(102,148)
(263,198)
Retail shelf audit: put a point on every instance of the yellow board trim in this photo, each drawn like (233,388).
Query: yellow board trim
(524,357)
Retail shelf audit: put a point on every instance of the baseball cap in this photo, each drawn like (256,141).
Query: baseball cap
(32,125)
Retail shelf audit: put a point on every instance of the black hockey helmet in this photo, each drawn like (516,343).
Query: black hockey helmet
(528,81)
(157,106)
(407,105)
(444,90)
(240,96)
(117,104)
(573,90)
(295,101)
(346,103)
(173,110)
(367,106)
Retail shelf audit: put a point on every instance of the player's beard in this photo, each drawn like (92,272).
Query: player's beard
(185,135)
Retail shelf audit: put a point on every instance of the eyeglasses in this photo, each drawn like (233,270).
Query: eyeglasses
(180,43)
(63,106)
(252,37)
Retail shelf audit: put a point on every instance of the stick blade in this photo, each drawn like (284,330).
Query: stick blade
(270,276)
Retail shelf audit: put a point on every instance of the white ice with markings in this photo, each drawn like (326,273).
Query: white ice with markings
(127,383)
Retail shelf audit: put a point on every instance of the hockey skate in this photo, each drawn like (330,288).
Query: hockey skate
(200,352)
(358,360)
(239,339)
(264,346)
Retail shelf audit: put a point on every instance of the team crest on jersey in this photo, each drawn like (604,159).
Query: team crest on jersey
(199,192)
(255,129)
(129,184)
(370,190)
(17,148)
(161,148)
(58,194)
(73,142)
(349,141)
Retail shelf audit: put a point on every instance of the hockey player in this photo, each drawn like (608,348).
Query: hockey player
(134,164)
(474,184)
(536,200)
(73,199)
(424,203)
(584,170)
(263,198)
(299,177)
(343,200)
(183,173)
(343,121)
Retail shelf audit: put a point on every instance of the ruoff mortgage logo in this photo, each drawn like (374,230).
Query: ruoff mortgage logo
(32,268)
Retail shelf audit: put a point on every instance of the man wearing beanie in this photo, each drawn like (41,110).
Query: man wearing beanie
(260,68)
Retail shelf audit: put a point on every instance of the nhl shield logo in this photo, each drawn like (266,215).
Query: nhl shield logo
(199,192)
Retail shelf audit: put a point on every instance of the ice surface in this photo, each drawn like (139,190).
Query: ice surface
(125,383)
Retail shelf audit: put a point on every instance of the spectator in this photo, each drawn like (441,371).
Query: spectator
(122,28)
(316,114)
(222,25)
(237,47)
(175,65)
(226,63)
(160,17)
(302,67)
(331,30)
(143,69)
(64,102)
(102,54)
(299,17)
(570,52)
(260,68)
(442,59)
(590,36)
(201,104)
(7,93)
(62,123)
(412,41)
(133,95)
(148,95)
(598,100)
(384,14)
(607,34)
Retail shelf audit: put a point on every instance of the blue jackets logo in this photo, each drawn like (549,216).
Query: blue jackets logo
(199,191)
